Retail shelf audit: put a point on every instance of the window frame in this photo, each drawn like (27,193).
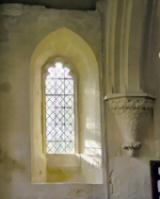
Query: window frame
(43,105)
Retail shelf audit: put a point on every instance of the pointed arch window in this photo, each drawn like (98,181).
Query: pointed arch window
(59,109)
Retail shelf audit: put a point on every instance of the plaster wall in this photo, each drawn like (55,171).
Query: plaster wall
(22,28)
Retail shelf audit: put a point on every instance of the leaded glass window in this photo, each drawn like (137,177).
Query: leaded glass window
(60,110)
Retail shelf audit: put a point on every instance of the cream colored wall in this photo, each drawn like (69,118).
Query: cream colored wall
(129,177)
(91,158)
(22,28)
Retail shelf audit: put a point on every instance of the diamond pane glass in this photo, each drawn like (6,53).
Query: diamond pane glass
(60,118)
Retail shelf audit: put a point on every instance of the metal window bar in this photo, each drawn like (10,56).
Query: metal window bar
(59,97)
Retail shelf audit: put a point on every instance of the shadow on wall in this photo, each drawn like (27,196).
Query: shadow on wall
(8,164)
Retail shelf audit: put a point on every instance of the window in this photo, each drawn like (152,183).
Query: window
(65,113)
(59,109)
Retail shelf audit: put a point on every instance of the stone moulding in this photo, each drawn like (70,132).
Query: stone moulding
(130,112)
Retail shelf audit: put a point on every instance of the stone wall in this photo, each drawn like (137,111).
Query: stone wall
(138,44)
(131,64)
(22,28)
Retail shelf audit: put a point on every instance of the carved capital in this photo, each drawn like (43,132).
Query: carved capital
(128,103)
(130,113)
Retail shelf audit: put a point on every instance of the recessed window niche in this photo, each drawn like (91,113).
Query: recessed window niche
(67,147)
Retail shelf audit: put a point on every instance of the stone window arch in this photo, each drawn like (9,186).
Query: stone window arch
(85,164)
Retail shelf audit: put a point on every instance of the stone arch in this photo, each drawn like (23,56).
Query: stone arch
(73,48)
